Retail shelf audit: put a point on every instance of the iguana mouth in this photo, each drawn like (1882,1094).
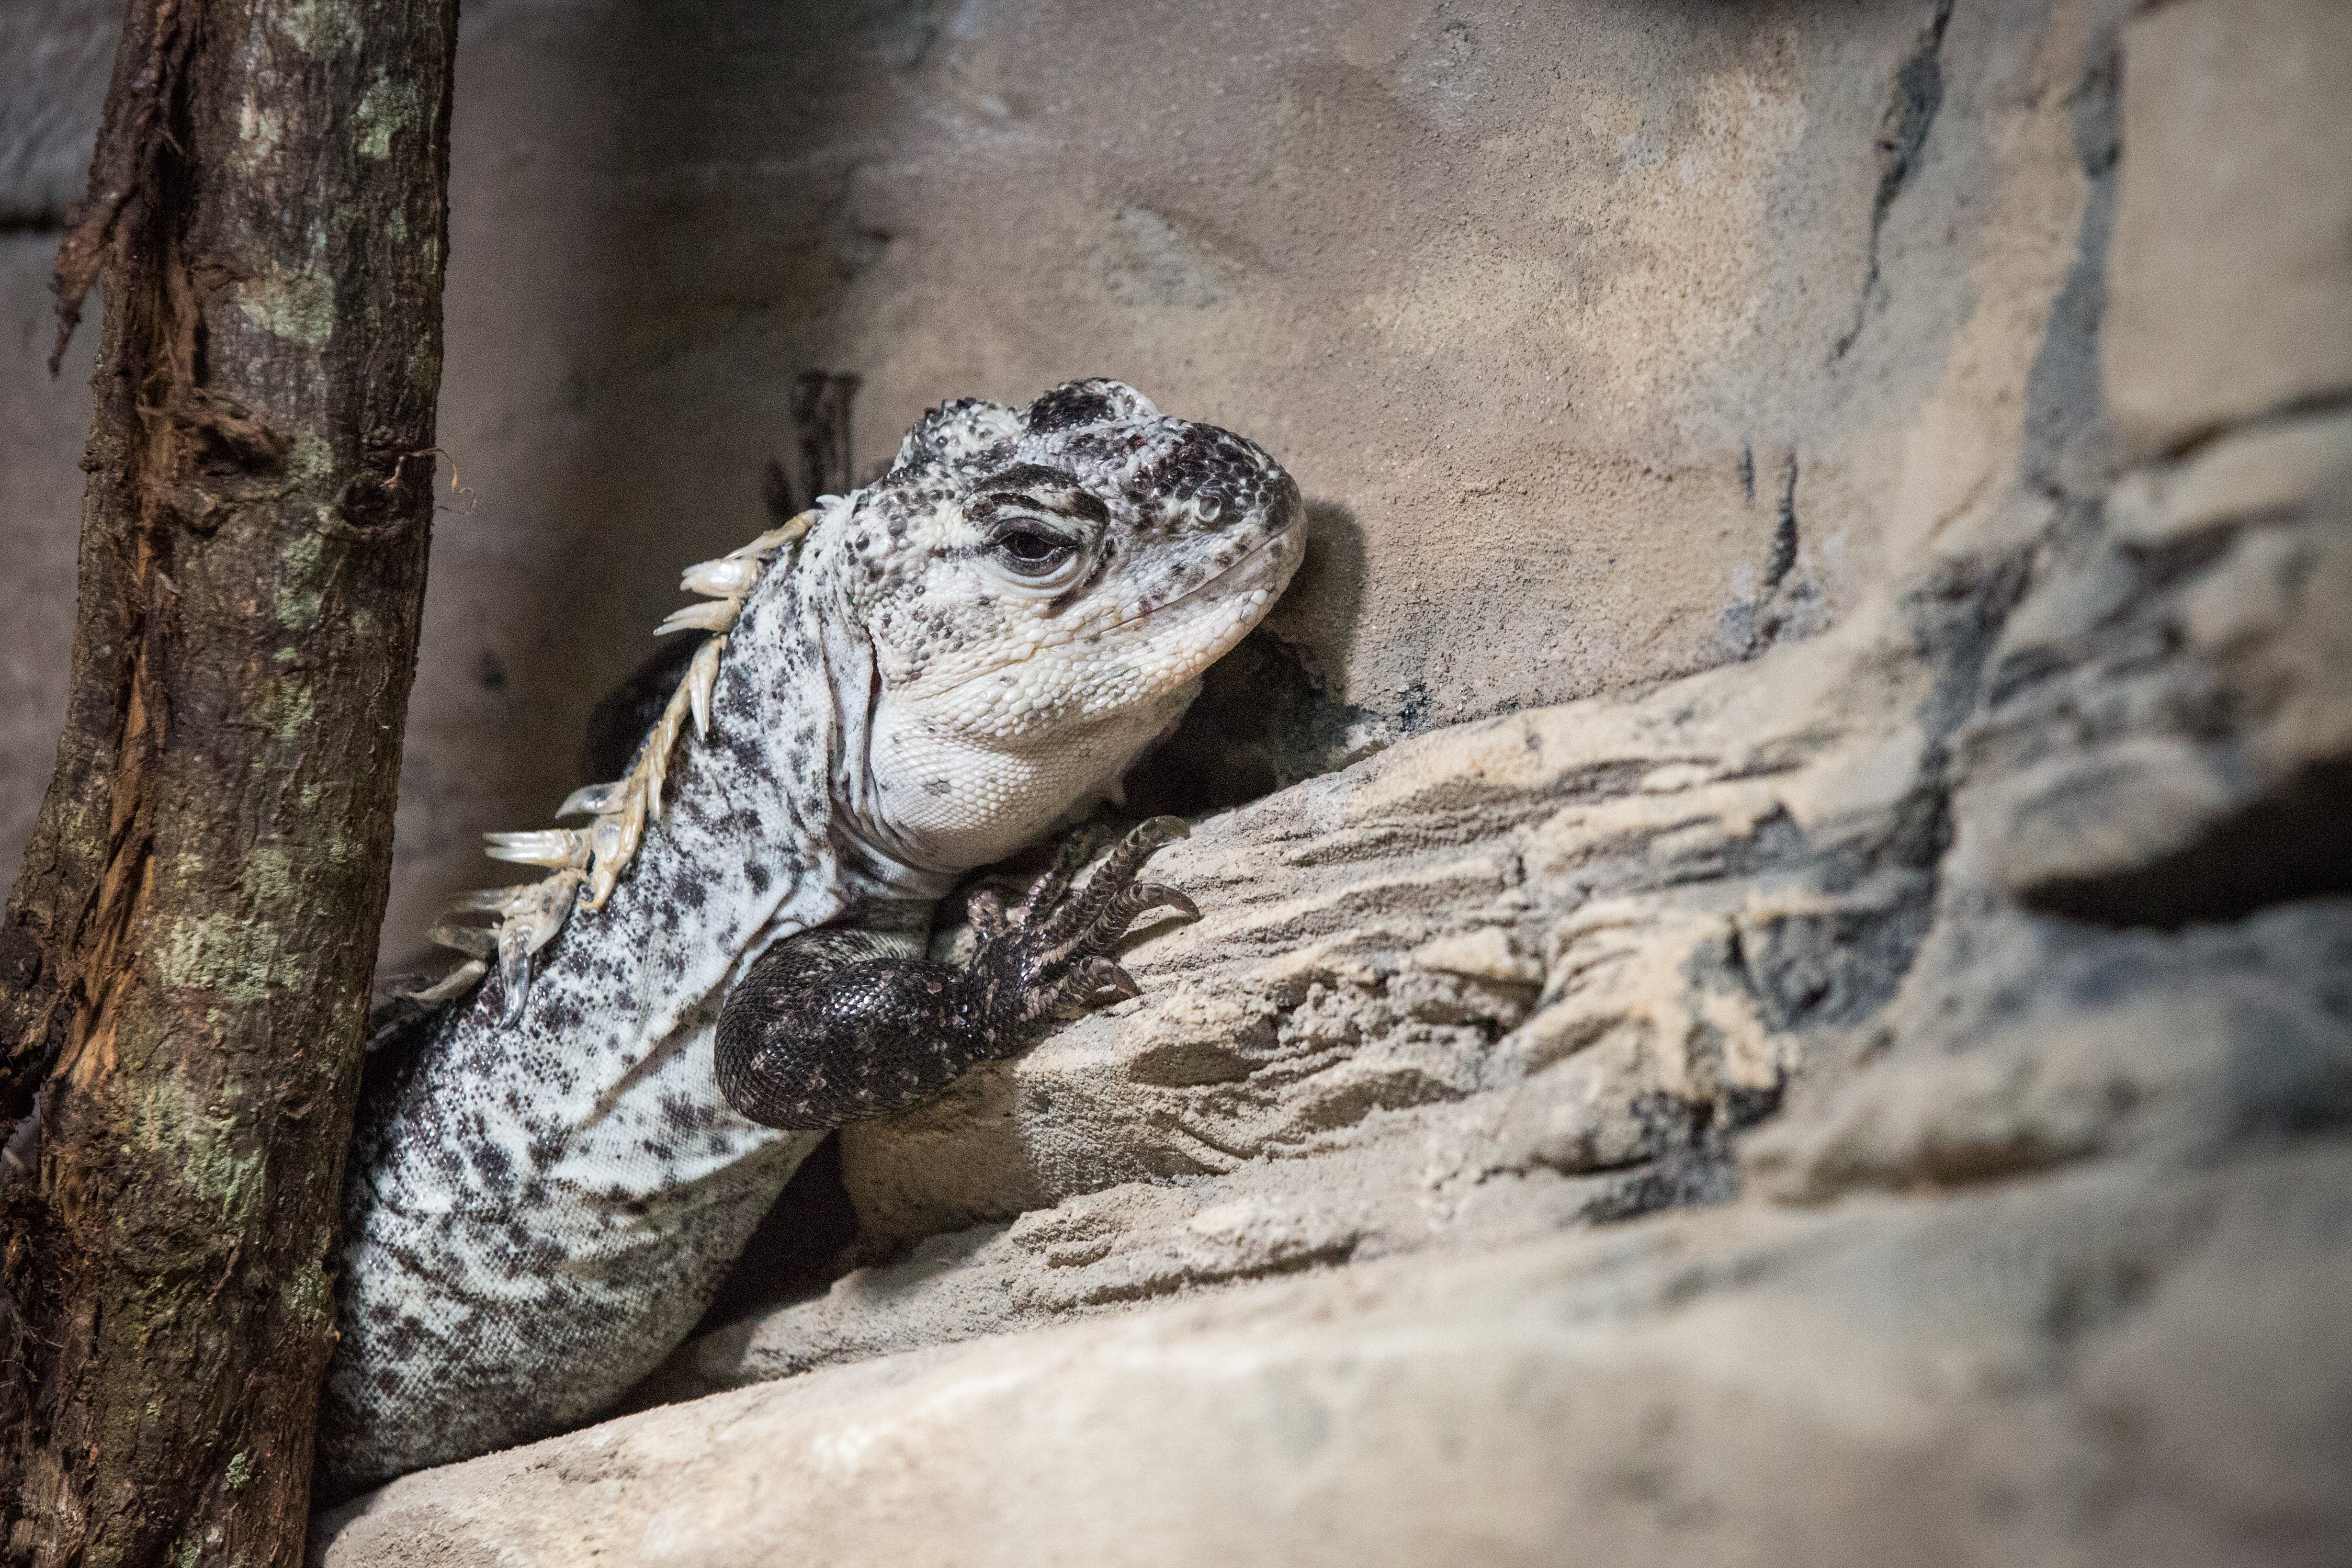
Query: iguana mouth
(1256,551)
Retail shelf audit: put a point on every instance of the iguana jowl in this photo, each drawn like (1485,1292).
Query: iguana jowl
(548,1186)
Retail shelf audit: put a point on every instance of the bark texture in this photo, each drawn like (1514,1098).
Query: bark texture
(185,961)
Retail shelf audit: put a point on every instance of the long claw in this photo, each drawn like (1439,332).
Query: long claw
(547,846)
(1158,897)
(592,800)
(711,615)
(1129,902)
(777,537)
(702,678)
(1116,871)
(729,576)
(1119,867)
(1096,976)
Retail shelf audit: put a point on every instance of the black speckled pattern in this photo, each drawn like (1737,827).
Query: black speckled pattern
(835,1027)
(537,1213)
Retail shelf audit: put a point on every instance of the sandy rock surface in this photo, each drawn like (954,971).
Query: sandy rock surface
(1776,985)
(1880,1099)
(2078,1371)
(1707,1127)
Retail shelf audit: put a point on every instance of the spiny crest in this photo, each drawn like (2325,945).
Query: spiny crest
(524,919)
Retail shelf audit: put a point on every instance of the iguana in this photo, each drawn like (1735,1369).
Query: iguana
(906,683)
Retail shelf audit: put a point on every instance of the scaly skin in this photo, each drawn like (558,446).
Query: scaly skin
(823,1032)
(552,1174)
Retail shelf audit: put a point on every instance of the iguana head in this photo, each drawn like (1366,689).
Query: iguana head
(1041,587)
(1038,589)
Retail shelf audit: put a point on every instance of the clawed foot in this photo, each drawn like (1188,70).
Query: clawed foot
(821,1031)
(1049,955)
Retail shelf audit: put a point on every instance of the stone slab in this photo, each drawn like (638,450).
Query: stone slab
(2230,290)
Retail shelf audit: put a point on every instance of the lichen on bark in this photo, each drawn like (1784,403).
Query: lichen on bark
(185,960)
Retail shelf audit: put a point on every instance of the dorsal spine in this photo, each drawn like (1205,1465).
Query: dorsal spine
(525,917)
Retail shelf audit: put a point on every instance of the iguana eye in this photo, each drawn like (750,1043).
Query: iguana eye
(1027,550)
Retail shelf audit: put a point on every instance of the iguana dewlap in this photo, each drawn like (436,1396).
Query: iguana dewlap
(547,1189)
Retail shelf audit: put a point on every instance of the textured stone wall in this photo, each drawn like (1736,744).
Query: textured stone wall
(1796,1006)
(1613,341)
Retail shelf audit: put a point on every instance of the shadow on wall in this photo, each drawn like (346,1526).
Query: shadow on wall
(1266,717)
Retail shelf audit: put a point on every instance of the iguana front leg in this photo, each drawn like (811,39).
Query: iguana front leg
(826,1029)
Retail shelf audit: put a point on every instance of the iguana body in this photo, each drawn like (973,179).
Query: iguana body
(547,1190)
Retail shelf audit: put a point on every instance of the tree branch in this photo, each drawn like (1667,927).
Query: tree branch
(184,963)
